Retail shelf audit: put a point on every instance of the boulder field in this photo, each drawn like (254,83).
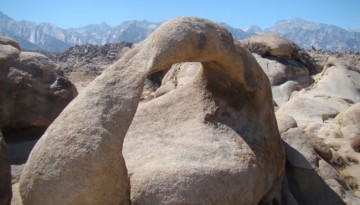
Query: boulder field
(187,116)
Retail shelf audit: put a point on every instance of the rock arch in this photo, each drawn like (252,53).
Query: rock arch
(79,158)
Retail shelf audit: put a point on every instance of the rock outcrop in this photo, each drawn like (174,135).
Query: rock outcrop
(327,115)
(277,46)
(5,174)
(32,94)
(325,96)
(8,53)
(212,141)
(340,134)
(288,67)
(311,177)
(271,45)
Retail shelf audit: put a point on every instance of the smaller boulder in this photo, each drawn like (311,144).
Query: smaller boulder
(271,45)
(285,122)
(281,70)
(32,94)
(349,121)
(4,40)
(8,54)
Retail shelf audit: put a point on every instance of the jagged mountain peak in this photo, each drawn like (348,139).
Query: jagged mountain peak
(252,29)
(309,34)
(301,23)
(140,24)
(99,28)
(49,37)
(102,25)
(237,33)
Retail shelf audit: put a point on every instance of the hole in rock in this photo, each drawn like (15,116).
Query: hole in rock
(163,82)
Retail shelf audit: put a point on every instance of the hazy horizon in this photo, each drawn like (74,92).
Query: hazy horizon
(239,14)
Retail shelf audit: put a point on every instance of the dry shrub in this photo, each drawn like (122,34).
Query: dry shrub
(338,161)
(349,180)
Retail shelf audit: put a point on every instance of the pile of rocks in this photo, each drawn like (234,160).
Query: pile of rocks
(89,58)
(82,63)
(318,109)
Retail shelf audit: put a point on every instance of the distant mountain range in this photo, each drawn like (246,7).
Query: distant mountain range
(49,37)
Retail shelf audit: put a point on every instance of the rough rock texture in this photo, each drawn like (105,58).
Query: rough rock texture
(5,174)
(242,154)
(32,94)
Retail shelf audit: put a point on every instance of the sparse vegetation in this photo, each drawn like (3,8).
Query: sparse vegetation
(324,117)
(349,180)
(338,161)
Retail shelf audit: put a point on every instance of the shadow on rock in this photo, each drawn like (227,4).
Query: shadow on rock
(306,186)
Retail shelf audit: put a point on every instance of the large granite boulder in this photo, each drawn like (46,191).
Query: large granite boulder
(288,67)
(32,94)
(271,45)
(212,141)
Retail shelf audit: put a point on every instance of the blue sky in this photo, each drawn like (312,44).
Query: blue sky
(236,13)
